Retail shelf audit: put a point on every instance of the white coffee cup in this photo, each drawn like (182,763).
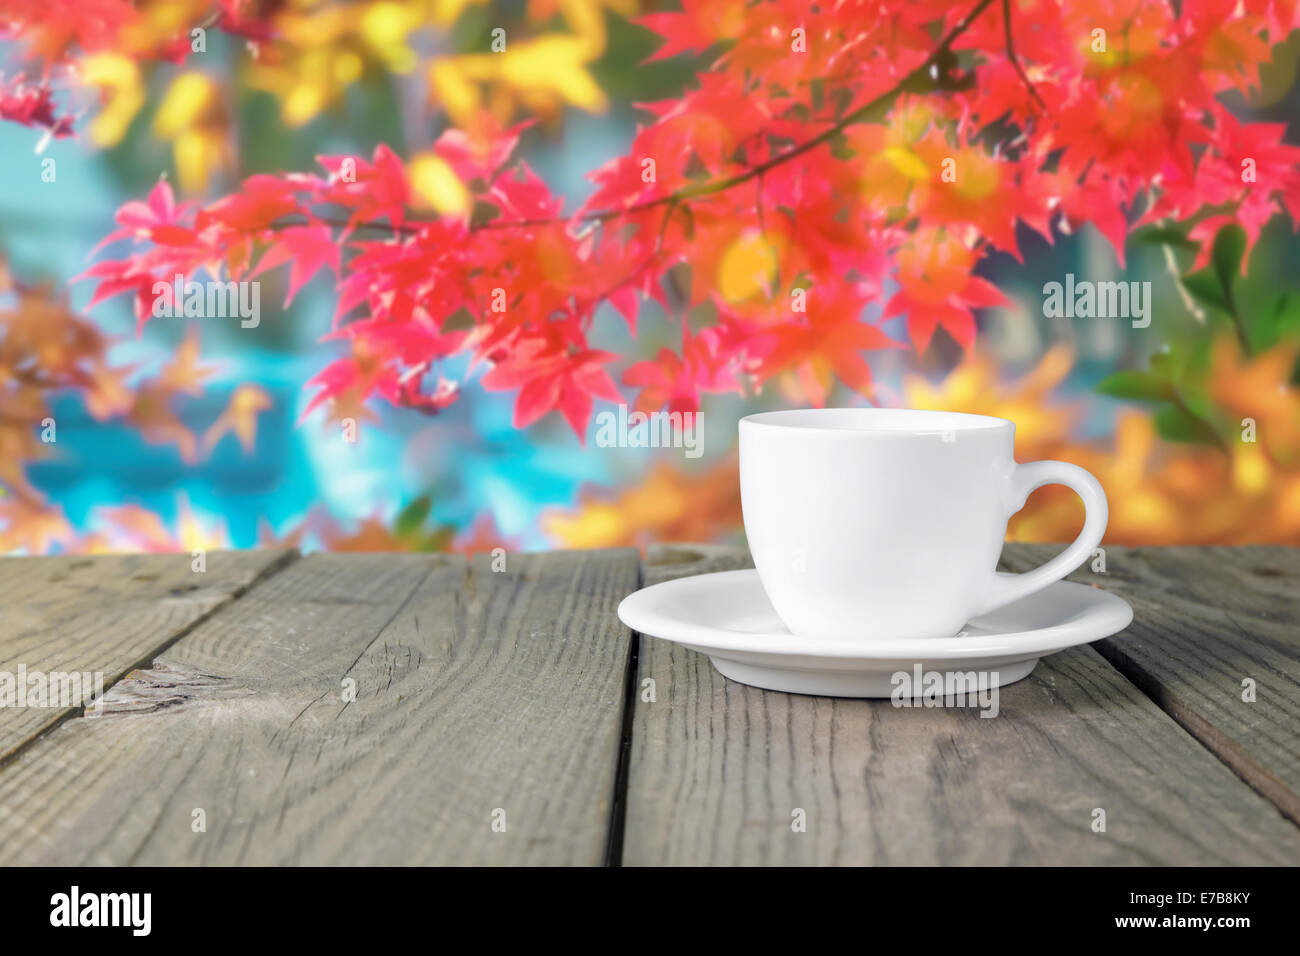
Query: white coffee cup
(887,524)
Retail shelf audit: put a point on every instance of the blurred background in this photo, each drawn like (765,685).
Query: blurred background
(1172,464)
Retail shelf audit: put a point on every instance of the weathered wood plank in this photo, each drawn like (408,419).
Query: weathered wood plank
(717,769)
(1204,621)
(475,691)
(105,614)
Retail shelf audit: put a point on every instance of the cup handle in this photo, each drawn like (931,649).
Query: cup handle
(1005,588)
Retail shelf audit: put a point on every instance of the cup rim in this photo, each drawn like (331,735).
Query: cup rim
(895,421)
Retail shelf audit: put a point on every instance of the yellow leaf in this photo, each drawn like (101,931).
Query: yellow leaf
(447,12)
(436,185)
(190,116)
(385,27)
(907,162)
(194,535)
(119,78)
(197,152)
(304,101)
(748,268)
(454,91)
(348,68)
(553,63)
(599,525)
(1250,469)
(240,417)
(189,95)
(587,18)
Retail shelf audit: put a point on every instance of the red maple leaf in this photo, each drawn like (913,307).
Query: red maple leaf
(553,372)
(704,365)
(307,249)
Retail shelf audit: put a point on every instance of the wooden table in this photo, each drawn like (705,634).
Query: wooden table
(508,717)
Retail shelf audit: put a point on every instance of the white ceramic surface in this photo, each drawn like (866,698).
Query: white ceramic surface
(728,617)
(887,523)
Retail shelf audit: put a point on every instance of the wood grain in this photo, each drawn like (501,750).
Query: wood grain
(1204,621)
(717,770)
(106,614)
(475,692)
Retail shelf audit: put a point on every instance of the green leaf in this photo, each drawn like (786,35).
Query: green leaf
(1164,236)
(1278,321)
(1139,386)
(1203,285)
(802,112)
(1175,424)
(841,100)
(439,540)
(840,149)
(1286,313)
(483,213)
(462,320)
(688,217)
(1226,255)
(817,91)
(1162,365)
(411,518)
(696,169)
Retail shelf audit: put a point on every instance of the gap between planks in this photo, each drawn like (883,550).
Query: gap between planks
(618,800)
(1168,617)
(1179,838)
(122,672)
(480,687)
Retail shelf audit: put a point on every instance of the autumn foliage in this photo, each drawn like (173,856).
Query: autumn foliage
(1160,492)
(832,166)
(809,159)
(46,349)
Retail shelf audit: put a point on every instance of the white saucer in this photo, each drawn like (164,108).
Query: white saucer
(728,616)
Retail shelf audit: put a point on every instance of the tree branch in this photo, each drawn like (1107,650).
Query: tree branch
(1015,60)
(858,115)
(881,104)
